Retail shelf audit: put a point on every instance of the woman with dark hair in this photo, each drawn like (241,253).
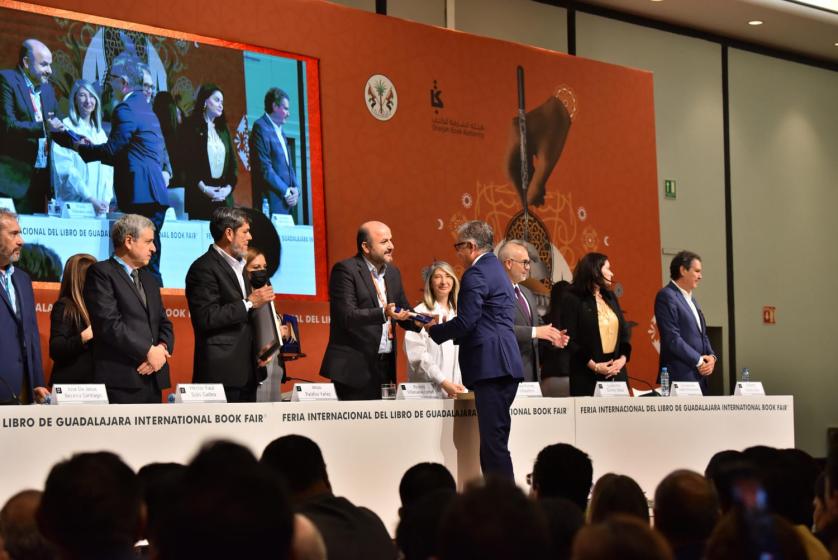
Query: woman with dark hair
(70,332)
(554,379)
(617,493)
(208,160)
(598,349)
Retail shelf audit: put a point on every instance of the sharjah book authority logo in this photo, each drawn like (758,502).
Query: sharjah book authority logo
(380,96)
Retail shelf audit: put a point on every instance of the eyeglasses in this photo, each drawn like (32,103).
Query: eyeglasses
(148,87)
(525,263)
(460,244)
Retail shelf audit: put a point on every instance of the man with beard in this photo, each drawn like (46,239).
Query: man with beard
(21,374)
(220,300)
(366,299)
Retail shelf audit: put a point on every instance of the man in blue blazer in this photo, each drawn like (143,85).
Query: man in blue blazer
(490,360)
(135,148)
(685,348)
(270,157)
(27,119)
(21,371)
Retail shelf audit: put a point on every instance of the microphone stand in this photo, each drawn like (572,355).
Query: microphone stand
(654,389)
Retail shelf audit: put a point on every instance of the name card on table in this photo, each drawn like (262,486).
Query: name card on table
(686,389)
(749,389)
(418,391)
(282,220)
(84,393)
(77,210)
(7,203)
(528,390)
(200,393)
(611,389)
(305,392)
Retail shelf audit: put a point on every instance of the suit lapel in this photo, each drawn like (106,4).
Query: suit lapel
(23,91)
(228,270)
(7,302)
(120,273)
(366,278)
(685,307)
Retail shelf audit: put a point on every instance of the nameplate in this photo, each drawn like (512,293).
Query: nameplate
(528,390)
(8,204)
(200,393)
(282,220)
(77,210)
(305,392)
(170,215)
(417,391)
(611,389)
(686,389)
(749,389)
(85,393)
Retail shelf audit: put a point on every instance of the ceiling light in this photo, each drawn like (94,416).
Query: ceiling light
(755,22)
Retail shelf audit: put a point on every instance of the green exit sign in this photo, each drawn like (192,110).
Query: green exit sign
(670,189)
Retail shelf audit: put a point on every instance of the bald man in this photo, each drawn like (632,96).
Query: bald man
(28,116)
(365,292)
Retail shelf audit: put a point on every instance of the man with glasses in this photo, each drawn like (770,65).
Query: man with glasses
(529,327)
(484,329)
(136,150)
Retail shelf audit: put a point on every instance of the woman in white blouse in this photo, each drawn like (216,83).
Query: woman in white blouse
(428,361)
(209,162)
(73,179)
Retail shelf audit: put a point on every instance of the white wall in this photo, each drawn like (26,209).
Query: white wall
(521,21)
(784,176)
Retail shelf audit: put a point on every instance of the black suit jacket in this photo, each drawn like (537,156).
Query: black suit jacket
(356,320)
(579,317)
(73,360)
(124,330)
(20,343)
(523,334)
(224,351)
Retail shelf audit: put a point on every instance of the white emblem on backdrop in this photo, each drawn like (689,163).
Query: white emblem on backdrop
(380,97)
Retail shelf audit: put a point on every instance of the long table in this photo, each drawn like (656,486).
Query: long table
(368,445)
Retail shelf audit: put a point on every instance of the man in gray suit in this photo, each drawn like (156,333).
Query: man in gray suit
(529,327)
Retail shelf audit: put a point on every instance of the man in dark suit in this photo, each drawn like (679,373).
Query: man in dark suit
(270,157)
(135,148)
(529,327)
(365,292)
(220,301)
(27,118)
(21,371)
(490,360)
(132,338)
(685,348)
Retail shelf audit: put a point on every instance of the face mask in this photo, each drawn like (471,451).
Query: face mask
(258,278)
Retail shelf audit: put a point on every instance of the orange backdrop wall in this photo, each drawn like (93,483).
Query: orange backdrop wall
(443,155)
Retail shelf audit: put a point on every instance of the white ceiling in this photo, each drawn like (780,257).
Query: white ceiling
(788,25)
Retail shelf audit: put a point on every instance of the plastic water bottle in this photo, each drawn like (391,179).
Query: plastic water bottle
(266,208)
(664,382)
(746,375)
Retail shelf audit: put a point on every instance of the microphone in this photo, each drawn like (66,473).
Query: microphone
(14,399)
(654,389)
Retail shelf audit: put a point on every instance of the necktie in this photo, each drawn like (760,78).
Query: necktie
(135,276)
(523,304)
(8,291)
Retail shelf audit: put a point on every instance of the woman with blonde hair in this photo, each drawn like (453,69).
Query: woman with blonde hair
(428,361)
(70,332)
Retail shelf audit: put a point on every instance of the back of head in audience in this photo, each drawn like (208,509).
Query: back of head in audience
(493,521)
(788,477)
(752,535)
(686,508)
(617,493)
(421,479)
(307,543)
(19,528)
(158,483)
(91,506)
(300,462)
(563,471)
(620,537)
(564,519)
(726,470)
(417,535)
(227,506)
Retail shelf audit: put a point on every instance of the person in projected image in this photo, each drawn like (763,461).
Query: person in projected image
(209,162)
(427,361)
(73,179)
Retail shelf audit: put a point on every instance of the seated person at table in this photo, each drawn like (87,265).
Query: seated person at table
(428,361)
